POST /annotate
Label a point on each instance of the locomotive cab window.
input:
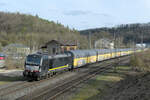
(33, 60)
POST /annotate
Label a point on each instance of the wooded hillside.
(33, 31)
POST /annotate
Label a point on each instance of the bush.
(141, 61)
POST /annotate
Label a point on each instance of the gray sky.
(83, 14)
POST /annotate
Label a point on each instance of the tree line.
(128, 32)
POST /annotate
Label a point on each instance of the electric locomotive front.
(32, 66)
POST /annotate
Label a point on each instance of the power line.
(90, 45)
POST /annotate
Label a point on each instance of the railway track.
(7, 92)
(14, 88)
(52, 93)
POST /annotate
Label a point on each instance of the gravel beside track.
(7, 86)
(10, 87)
(11, 73)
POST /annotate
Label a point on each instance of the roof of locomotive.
(51, 56)
(59, 56)
(36, 54)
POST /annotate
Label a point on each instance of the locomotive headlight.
(40, 70)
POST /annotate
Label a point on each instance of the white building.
(141, 45)
(104, 44)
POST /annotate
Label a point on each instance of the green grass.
(3, 82)
(96, 87)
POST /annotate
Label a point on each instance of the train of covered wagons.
(38, 65)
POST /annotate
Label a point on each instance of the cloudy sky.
(83, 14)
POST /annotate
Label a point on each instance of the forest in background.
(33, 31)
(127, 32)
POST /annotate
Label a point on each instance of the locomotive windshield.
(33, 60)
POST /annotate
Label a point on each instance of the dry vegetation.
(133, 87)
(14, 64)
(141, 61)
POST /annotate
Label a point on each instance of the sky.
(83, 14)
